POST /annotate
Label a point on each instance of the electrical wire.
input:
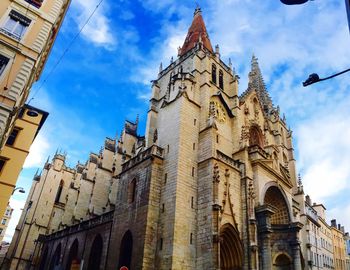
(65, 51)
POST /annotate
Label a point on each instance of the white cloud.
(342, 213)
(17, 205)
(98, 30)
(38, 151)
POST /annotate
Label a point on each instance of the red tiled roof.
(196, 30)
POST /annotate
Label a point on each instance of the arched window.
(55, 260)
(213, 73)
(221, 80)
(125, 254)
(73, 260)
(43, 260)
(95, 253)
(132, 191)
(59, 192)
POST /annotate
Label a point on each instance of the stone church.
(211, 185)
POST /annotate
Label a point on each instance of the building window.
(161, 244)
(3, 221)
(12, 138)
(3, 62)
(192, 204)
(59, 192)
(16, 25)
(221, 80)
(191, 238)
(213, 73)
(165, 178)
(35, 3)
(1, 231)
(192, 171)
(2, 163)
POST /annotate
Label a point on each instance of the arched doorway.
(95, 253)
(231, 249)
(73, 261)
(55, 260)
(282, 262)
(125, 253)
(43, 259)
(274, 197)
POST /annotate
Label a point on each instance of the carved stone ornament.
(155, 136)
(216, 110)
(216, 175)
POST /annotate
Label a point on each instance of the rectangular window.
(2, 163)
(35, 3)
(12, 138)
(16, 25)
(7, 213)
(161, 244)
(1, 231)
(3, 221)
(3, 63)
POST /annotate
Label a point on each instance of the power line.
(66, 50)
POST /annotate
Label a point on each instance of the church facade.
(211, 185)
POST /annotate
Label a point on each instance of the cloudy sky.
(105, 77)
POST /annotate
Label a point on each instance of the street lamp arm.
(314, 78)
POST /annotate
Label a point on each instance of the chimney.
(334, 223)
(342, 229)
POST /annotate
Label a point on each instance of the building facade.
(347, 255)
(5, 221)
(211, 185)
(310, 234)
(326, 239)
(28, 29)
(16, 149)
(339, 245)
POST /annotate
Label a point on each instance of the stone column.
(263, 214)
(296, 256)
(296, 227)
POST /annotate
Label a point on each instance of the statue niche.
(255, 136)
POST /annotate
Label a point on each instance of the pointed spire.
(196, 33)
(256, 82)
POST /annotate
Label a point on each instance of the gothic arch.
(231, 248)
(43, 260)
(282, 261)
(125, 254)
(73, 254)
(55, 260)
(256, 136)
(96, 253)
(277, 199)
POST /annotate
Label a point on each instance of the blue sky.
(105, 77)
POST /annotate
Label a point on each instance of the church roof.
(196, 33)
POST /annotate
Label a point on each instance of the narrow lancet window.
(221, 80)
(213, 73)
